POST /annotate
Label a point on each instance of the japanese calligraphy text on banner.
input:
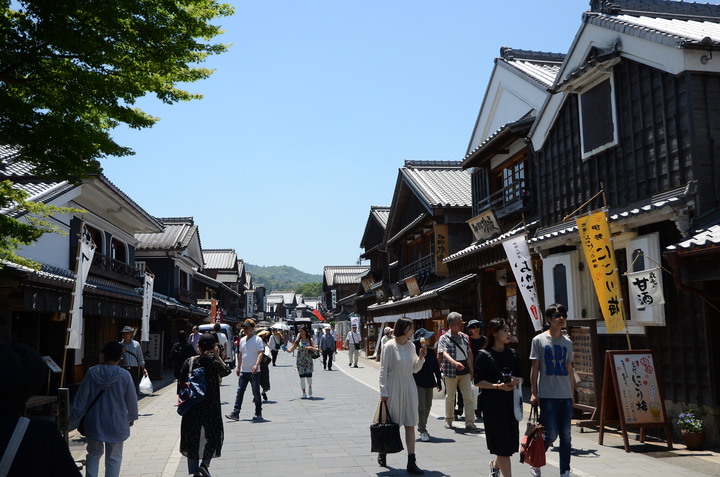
(518, 255)
(147, 306)
(646, 288)
(84, 260)
(596, 241)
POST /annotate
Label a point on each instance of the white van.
(227, 330)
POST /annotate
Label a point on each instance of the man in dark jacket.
(426, 380)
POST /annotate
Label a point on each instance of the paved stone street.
(328, 435)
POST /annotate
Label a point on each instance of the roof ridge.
(176, 220)
(509, 54)
(411, 164)
(671, 9)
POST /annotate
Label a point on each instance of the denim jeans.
(194, 465)
(113, 458)
(254, 380)
(555, 416)
(328, 358)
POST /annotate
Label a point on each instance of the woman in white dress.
(398, 363)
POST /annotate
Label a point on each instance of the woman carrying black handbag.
(398, 363)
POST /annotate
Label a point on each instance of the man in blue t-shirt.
(552, 384)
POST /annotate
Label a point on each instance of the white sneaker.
(536, 472)
(304, 396)
(310, 392)
(424, 436)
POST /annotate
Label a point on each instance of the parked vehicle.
(230, 345)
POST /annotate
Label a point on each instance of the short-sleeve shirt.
(249, 349)
(446, 343)
(554, 354)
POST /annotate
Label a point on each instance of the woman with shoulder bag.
(304, 343)
(398, 363)
(496, 371)
(201, 429)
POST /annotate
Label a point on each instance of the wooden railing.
(425, 265)
(110, 268)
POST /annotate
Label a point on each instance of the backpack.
(193, 390)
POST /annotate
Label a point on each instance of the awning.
(426, 295)
(415, 315)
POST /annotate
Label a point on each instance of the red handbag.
(532, 446)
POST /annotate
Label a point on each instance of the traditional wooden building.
(503, 190)
(634, 112)
(426, 223)
(37, 302)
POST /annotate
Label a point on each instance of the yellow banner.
(599, 254)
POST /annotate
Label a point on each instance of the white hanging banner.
(147, 306)
(85, 257)
(518, 255)
(646, 288)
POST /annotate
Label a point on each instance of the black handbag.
(385, 434)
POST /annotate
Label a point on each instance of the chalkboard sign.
(632, 395)
(587, 364)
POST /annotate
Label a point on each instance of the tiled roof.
(703, 239)
(439, 183)
(476, 247)
(407, 228)
(541, 66)
(337, 275)
(507, 131)
(177, 235)
(220, 259)
(380, 213)
(672, 23)
(673, 197)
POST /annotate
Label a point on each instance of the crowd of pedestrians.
(482, 371)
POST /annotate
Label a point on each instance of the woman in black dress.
(201, 430)
(497, 371)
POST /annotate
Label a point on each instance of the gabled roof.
(343, 275)
(540, 66)
(176, 235)
(220, 259)
(437, 183)
(97, 186)
(672, 36)
(376, 220)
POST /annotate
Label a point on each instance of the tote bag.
(532, 446)
(384, 434)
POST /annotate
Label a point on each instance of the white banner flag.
(147, 306)
(646, 288)
(518, 254)
(85, 257)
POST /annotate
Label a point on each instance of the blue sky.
(312, 111)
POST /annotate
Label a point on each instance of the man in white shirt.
(249, 355)
(353, 343)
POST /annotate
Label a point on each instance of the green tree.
(309, 289)
(72, 70)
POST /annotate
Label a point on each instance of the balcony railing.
(424, 266)
(507, 200)
(184, 296)
(112, 269)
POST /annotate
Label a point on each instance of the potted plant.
(691, 428)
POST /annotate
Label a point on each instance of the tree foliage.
(71, 70)
(14, 232)
(309, 289)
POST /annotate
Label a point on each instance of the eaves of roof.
(408, 227)
(478, 246)
(672, 199)
(220, 259)
(703, 240)
(425, 295)
(508, 132)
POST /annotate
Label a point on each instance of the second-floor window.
(598, 121)
(118, 251)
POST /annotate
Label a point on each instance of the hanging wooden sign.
(631, 395)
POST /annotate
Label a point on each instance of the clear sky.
(312, 111)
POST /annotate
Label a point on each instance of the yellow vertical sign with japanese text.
(600, 256)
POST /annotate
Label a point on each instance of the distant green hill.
(281, 277)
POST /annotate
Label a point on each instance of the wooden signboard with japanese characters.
(631, 395)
